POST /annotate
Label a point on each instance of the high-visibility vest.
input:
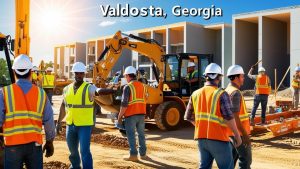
(209, 123)
(192, 75)
(243, 114)
(79, 108)
(262, 85)
(137, 102)
(23, 116)
(48, 81)
(34, 76)
(295, 83)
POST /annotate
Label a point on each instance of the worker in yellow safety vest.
(296, 87)
(49, 83)
(34, 75)
(242, 153)
(78, 107)
(262, 92)
(209, 110)
(24, 109)
(192, 77)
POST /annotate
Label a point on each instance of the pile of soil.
(55, 165)
(248, 92)
(285, 93)
(98, 138)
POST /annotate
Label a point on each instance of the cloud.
(107, 23)
(110, 23)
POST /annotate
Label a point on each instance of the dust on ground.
(177, 149)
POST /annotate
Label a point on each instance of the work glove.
(48, 147)
(58, 128)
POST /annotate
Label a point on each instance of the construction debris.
(55, 165)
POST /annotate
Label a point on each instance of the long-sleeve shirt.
(235, 99)
(225, 105)
(47, 120)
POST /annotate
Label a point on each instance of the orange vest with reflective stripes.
(137, 102)
(243, 114)
(209, 123)
(262, 85)
(23, 116)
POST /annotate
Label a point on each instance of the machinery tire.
(169, 115)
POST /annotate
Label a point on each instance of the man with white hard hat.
(48, 83)
(192, 76)
(209, 110)
(24, 109)
(296, 87)
(242, 153)
(133, 109)
(78, 107)
(262, 92)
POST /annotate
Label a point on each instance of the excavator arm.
(113, 51)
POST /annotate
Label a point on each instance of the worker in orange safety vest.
(24, 109)
(242, 153)
(209, 110)
(262, 92)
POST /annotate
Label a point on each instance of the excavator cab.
(186, 73)
(6, 73)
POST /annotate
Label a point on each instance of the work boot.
(145, 157)
(263, 121)
(131, 158)
(252, 122)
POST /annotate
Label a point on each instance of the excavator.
(166, 103)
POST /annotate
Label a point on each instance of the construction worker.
(296, 87)
(115, 79)
(209, 110)
(133, 108)
(78, 108)
(24, 109)
(34, 75)
(192, 77)
(262, 91)
(242, 153)
(49, 83)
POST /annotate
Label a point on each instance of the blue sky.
(80, 20)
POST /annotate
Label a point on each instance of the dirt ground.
(173, 149)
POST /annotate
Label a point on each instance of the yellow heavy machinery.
(166, 103)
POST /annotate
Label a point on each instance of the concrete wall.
(245, 47)
(124, 61)
(274, 48)
(295, 37)
(80, 52)
(226, 52)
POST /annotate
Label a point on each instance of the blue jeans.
(30, 154)
(221, 151)
(49, 92)
(243, 155)
(136, 122)
(263, 100)
(79, 135)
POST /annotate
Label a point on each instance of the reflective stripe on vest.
(192, 76)
(79, 108)
(48, 81)
(295, 84)
(23, 117)
(243, 114)
(137, 103)
(262, 85)
(209, 122)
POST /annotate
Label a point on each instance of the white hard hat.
(213, 69)
(49, 69)
(191, 64)
(22, 62)
(79, 67)
(261, 69)
(130, 70)
(297, 69)
(235, 70)
(35, 68)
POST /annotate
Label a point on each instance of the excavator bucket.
(107, 103)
